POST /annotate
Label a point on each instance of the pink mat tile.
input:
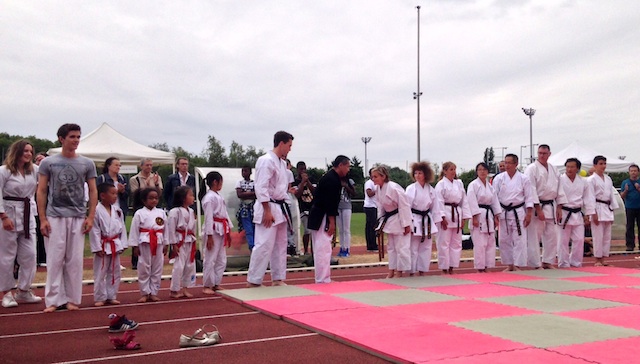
(423, 342)
(292, 305)
(625, 316)
(607, 270)
(527, 356)
(461, 310)
(494, 277)
(621, 351)
(480, 290)
(624, 295)
(612, 280)
(350, 287)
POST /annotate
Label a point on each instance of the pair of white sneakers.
(11, 300)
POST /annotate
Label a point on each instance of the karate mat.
(582, 315)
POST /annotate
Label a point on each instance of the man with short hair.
(182, 177)
(146, 178)
(304, 193)
(64, 219)
(548, 197)
(602, 187)
(271, 214)
(630, 193)
(516, 198)
(371, 213)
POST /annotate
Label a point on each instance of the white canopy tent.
(106, 142)
(585, 156)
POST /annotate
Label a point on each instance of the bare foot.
(208, 290)
(113, 302)
(99, 303)
(175, 294)
(398, 274)
(187, 294)
(218, 288)
(391, 274)
(154, 298)
(143, 299)
(72, 307)
(50, 309)
(278, 284)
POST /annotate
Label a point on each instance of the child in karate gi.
(181, 227)
(108, 238)
(217, 228)
(147, 239)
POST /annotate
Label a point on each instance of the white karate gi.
(17, 244)
(181, 225)
(546, 187)
(513, 191)
(602, 188)
(107, 227)
(391, 197)
(271, 184)
(149, 265)
(423, 198)
(215, 259)
(483, 236)
(579, 196)
(449, 240)
(322, 253)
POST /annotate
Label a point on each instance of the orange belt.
(193, 244)
(153, 238)
(111, 240)
(227, 230)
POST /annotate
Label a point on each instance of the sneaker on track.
(121, 323)
(27, 297)
(8, 300)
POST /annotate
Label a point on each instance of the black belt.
(424, 214)
(286, 211)
(608, 203)
(454, 213)
(515, 213)
(489, 209)
(380, 234)
(26, 210)
(571, 211)
(553, 210)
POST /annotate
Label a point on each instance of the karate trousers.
(420, 254)
(484, 249)
(150, 269)
(183, 274)
(214, 262)
(106, 277)
(322, 253)
(601, 234)
(270, 249)
(513, 247)
(571, 257)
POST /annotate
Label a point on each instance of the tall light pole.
(416, 95)
(530, 112)
(524, 146)
(366, 141)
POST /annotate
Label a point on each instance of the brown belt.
(26, 213)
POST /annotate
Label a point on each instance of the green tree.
(467, 177)
(160, 146)
(39, 145)
(356, 174)
(215, 154)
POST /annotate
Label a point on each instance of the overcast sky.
(329, 72)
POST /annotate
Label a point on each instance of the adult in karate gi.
(575, 214)
(485, 210)
(516, 199)
(605, 204)
(549, 198)
(426, 208)
(18, 180)
(271, 214)
(322, 216)
(64, 219)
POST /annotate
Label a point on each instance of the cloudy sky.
(329, 72)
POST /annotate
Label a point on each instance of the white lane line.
(103, 328)
(168, 351)
(116, 307)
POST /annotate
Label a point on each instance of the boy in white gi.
(64, 219)
(147, 239)
(485, 209)
(271, 214)
(181, 228)
(108, 238)
(216, 231)
(549, 198)
(579, 196)
(602, 187)
(426, 208)
(515, 195)
(455, 213)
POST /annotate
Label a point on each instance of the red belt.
(184, 234)
(111, 240)
(227, 230)
(153, 238)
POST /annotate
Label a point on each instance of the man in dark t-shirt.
(304, 193)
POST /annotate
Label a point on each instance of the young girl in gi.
(180, 234)
(455, 213)
(394, 214)
(217, 228)
(108, 238)
(146, 238)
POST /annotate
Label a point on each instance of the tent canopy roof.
(106, 142)
(585, 156)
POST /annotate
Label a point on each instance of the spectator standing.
(245, 191)
(41, 253)
(344, 214)
(371, 213)
(111, 174)
(304, 193)
(146, 178)
(182, 177)
(630, 193)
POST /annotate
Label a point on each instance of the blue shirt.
(632, 200)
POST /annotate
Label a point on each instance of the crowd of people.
(70, 200)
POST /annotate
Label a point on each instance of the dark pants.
(371, 214)
(633, 220)
(41, 253)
